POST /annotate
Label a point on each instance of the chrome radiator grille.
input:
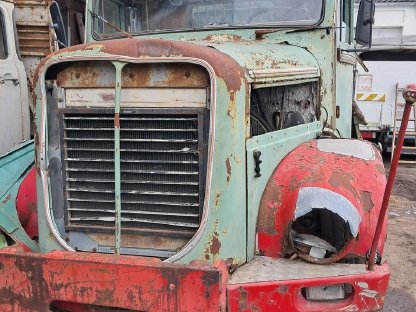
(162, 172)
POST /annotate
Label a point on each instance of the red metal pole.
(409, 94)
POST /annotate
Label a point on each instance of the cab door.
(344, 68)
(14, 108)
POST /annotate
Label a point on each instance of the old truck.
(196, 155)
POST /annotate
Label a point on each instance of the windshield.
(139, 16)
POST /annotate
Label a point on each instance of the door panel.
(344, 69)
(14, 114)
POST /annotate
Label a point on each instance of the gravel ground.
(400, 250)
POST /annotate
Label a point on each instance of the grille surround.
(173, 214)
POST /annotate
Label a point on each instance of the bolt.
(172, 286)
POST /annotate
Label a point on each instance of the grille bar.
(126, 129)
(131, 181)
(160, 163)
(137, 212)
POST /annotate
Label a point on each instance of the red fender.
(341, 166)
(26, 204)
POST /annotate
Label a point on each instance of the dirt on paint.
(400, 250)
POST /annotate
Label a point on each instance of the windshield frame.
(118, 35)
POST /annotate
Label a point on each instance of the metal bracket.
(257, 161)
(15, 81)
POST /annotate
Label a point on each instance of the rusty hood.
(235, 62)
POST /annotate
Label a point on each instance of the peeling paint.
(232, 108)
(344, 179)
(366, 200)
(217, 199)
(215, 245)
(368, 293)
(242, 300)
(8, 197)
(307, 167)
(228, 166)
(282, 289)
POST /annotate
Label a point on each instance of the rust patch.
(224, 66)
(210, 279)
(282, 289)
(269, 204)
(228, 166)
(242, 299)
(107, 97)
(136, 75)
(187, 75)
(343, 179)
(268, 208)
(294, 184)
(165, 75)
(215, 244)
(85, 74)
(381, 169)
(223, 38)
(217, 199)
(232, 108)
(117, 120)
(8, 197)
(366, 200)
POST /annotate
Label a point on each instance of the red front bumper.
(266, 284)
(68, 281)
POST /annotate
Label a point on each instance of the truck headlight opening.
(324, 226)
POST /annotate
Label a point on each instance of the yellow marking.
(376, 97)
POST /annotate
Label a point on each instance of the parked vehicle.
(197, 156)
(14, 93)
(379, 90)
(26, 36)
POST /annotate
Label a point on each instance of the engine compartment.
(281, 107)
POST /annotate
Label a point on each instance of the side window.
(111, 12)
(3, 41)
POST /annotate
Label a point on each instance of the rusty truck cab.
(208, 145)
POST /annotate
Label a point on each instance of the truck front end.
(198, 165)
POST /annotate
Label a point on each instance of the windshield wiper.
(127, 34)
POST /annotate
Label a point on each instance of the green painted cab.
(158, 136)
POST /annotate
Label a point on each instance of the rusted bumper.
(69, 281)
(267, 284)
(80, 282)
